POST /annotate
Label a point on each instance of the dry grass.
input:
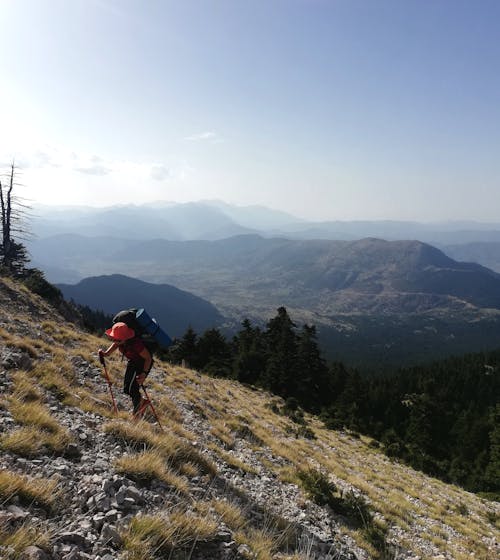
(147, 466)
(40, 432)
(231, 460)
(56, 376)
(351, 461)
(222, 432)
(136, 435)
(40, 491)
(33, 414)
(175, 451)
(32, 441)
(230, 513)
(150, 536)
(24, 388)
(18, 539)
(263, 543)
(403, 498)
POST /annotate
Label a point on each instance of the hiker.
(139, 358)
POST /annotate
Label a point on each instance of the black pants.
(130, 385)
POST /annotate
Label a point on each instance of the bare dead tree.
(13, 254)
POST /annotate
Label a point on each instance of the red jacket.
(132, 349)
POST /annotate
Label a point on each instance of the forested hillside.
(442, 418)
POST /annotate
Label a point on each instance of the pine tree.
(312, 384)
(492, 475)
(185, 349)
(214, 353)
(250, 354)
(280, 375)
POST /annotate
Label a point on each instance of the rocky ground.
(101, 503)
(98, 503)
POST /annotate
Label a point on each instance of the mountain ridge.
(344, 287)
(208, 219)
(174, 309)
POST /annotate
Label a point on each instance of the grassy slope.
(236, 429)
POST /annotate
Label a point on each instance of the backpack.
(145, 328)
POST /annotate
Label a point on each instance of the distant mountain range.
(211, 220)
(174, 309)
(373, 300)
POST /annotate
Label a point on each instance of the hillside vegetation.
(232, 475)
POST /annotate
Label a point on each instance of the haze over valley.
(374, 300)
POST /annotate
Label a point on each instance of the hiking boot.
(141, 408)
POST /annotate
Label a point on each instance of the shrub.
(317, 486)
(305, 432)
(35, 281)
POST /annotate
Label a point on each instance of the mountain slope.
(174, 309)
(224, 480)
(368, 266)
(485, 253)
(402, 302)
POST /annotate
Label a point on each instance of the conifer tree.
(250, 358)
(280, 375)
(492, 474)
(311, 384)
(214, 353)
(186, 349)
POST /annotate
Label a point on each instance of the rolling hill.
(174, 309)
(398, 300)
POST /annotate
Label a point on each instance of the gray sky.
(338, 109)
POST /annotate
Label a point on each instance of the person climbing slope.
(139, 359)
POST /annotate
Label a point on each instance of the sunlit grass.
(175, 451)
(33, 414)
(40, 491)
(149, 536)
(230, 513)
(31, 441)
(24, 388)
(16, 540)
(147, 466)
(231, 460)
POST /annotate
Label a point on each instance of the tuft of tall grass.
(150, 536)
(40, 491)
(24, 388)
(17, 540)
(175, 451)
(31, 441)
(230, 513)
(147, 466)
(33, 414)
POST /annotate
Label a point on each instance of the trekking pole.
(150, 404)
(108, 381)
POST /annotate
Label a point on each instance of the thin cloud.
(98, 170)
(202, 137)
(160, 173)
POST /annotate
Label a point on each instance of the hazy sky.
(339, 109)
